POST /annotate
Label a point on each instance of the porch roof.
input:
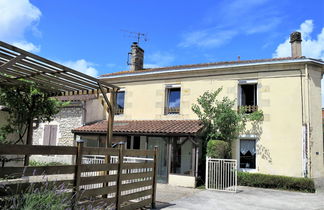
(144, 127)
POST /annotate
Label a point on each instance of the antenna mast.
(137, 35)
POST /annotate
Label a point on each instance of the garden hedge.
(276, 182)
(218, 149)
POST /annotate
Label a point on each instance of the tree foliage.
(26, 104)
(221, 121)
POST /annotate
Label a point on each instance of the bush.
(276, 182)
(37, 163)
(218, 149)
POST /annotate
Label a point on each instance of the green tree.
(221, 121)
(26, 104)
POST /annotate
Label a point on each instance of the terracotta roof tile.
(202, 65)
(178, 127)
(77, 97)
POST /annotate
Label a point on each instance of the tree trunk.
(29, 140)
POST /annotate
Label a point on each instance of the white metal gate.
(221, 174)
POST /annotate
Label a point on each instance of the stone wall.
(67, 119)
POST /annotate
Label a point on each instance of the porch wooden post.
(119, 175)
(77, 174)
(111, 119)
(153, 205)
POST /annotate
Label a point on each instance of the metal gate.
(221, 174)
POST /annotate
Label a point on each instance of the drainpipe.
(309, 174)
(304, 128)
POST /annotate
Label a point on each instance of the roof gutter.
(212, 66)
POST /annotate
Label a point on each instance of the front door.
(162, 164)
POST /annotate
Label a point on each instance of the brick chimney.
(295, 41)
(137, 57)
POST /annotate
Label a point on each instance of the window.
(133, 142)
(247, 154)
(120, 100)
(181, 156)
(248, 93)
(172, 105)
(50, 134)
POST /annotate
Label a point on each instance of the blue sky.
(89, 36)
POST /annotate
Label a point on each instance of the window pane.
(247, 154)
(174, 97)
(120, 100)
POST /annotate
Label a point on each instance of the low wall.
(182, 180)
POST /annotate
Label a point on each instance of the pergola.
(54, 78)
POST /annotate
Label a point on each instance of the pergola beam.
(20, 64)
(34, 68)
(49, 62)
(12, 62)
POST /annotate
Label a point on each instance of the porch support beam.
(193, 158)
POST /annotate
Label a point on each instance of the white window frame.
(166, 97)
(238, 156)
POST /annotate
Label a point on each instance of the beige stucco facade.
(288, 142)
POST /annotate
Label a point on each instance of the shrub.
(218, 149)
(276, 182)
(37, 163)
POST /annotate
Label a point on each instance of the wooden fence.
(121, 184)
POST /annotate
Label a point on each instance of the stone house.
(154, 108)
(81, 110)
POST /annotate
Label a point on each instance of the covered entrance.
(179, 147)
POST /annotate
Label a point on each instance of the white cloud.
(28, 46)
(82, 66)
(159, 59)
(16, 18)
(313, 48)
(207, 38)
(227, 19)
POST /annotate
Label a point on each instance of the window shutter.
(46, 138)
(53, 135)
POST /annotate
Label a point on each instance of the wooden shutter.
(46, 138)
(53, 135)
(50, 135)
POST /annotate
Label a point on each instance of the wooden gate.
(221, 174)
(120, 184)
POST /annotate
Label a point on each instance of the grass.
(201, 187)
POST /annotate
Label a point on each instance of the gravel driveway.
(246, 198)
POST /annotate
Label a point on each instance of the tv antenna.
(138, 35)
